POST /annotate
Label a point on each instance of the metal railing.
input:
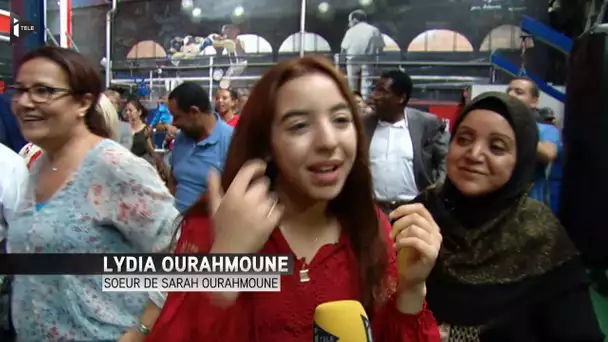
(255, 78)
(204, 64)
(422, 81)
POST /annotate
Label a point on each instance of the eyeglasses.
(38, 94)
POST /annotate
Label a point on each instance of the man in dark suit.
(407, 146)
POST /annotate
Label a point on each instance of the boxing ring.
(209, 75)
(110, 17)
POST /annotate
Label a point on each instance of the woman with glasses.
(31, 152)
(86, 194)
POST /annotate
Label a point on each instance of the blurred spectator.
(364, 108)
(125, 135)
(162, 119)
(546, 115)
(10, 132)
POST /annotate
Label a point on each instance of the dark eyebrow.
(500, 135)
(294, 113)
(338, 107)
(302, 112)
(495, 134)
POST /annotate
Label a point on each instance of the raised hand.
(246, 214)
(417, 242)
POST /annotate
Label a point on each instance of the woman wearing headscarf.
(507, 270)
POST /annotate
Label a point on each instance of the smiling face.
(43, 103)
(313, 139)
(482, 154)
(223, 102)
(523, 90)
(132, 114)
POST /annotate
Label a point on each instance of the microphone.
(402, 256)
(343, 320)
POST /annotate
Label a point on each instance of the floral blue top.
(114, 203)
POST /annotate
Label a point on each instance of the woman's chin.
(34, 135)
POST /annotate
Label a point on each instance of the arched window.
(503, 37)
(312, 43)
(146, 49)
(390, 44)
(252, 43)
(440, 41)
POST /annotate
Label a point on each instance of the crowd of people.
(302, 167)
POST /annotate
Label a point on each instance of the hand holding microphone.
(247, 213)
(417, 241)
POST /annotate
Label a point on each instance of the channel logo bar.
(12, 28)
(5, 23)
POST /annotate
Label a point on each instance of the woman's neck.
(137, 125)
(58, 148)
(227, 116)
(303, 215)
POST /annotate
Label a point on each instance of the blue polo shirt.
(540, 189)
(191, 160)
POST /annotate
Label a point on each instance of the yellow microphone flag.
(341, 321)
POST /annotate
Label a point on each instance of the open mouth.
(326, 173)
(323, 169)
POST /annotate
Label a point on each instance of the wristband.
(143, 329)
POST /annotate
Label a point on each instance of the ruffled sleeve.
(391, 325)
(193, 316)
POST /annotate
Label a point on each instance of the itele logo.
(20, 28)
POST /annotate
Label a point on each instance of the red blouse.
(234, 121)
(285, 316)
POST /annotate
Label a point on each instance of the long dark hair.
(83, 79)
(354, 206)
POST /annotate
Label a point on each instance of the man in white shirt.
(360, 44)
(13, 184)
(407, 146)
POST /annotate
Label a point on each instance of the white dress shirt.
(392, 162)
(13, 183)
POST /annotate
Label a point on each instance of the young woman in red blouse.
(297, 181)
(226, 104)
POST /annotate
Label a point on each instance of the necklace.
(304, 276)
(304, 271)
